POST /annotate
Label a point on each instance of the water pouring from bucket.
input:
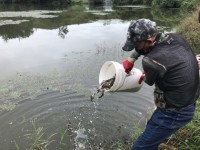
(113, 78)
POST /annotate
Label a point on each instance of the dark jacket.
(172, 66)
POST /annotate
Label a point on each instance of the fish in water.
(105, 85)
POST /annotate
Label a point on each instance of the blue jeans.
(163, 123)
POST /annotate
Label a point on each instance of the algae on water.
(7, 106)
(28, 14)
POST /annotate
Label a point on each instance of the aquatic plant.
(7, 106)
(38, 142)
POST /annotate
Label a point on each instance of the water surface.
(50, 62)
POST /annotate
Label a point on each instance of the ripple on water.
(91, 123)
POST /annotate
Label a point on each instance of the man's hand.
(128, 66)
(198, 60)
(141, 78)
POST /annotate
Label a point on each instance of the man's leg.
(162, 125)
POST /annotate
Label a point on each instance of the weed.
(7, 106)
(187, 137)
(16, 146)
(138, 131)
(38, 142)
(189, 28)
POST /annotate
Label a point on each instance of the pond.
(50, 61)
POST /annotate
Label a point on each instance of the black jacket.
(173, 67)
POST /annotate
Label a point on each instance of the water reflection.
(77, 15)
(167, 17)
(48, 48)
(19, 31)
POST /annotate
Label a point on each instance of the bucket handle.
(127, 75)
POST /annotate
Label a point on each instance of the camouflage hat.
(139, 30)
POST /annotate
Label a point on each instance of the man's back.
(181, 78)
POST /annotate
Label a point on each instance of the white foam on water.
(80, 139)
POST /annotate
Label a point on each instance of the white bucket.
(122, 80)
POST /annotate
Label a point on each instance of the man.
(171, 66)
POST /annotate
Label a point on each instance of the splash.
(80, 139)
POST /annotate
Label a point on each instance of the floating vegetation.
(96, 12)
(7, 106)
(134, 6)
(26, 14)
(79, 89)
(27, 86)
(7, 22)
(32, 14)
(101, 13)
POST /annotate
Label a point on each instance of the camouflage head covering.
(139, 30)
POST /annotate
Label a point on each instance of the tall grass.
(188, 137)
(38, 142)
(189, 28)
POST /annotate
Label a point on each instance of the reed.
(38, 142)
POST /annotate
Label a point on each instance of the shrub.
(167, 17)
(189, 28)
(96, 2)
(120, 2)
(147, 2)
(131, 2)
(167, 3)
(188, 5)
(187, 138)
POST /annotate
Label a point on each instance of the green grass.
(188, 137)
(38, 142)
(189, 28)
(80, 1)
(137, 131)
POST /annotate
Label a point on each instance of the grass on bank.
(189, 28)
(186, 138)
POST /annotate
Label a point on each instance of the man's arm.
(198, 59)
(152, 70)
